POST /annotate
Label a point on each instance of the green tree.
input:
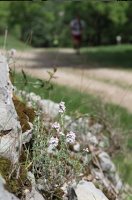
(24, 13)
(40, 17)
(4, 12)
(103, 21)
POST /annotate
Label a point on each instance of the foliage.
(103, 21)
(4, 13)
(29, 19)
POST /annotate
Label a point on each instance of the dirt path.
(73, 73)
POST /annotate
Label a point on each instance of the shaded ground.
(76, 71)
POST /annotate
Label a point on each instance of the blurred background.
(48, 18)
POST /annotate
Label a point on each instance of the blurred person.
(55, 40)
(76, 30)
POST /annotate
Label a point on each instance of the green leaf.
(39, 84)
(24, 77)
(50, 73)
(55, 69)
(49, 87)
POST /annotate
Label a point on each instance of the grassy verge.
(110, 56)
(112, 82)
(82, 102)
(13, 43)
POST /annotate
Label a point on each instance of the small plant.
(53, 163)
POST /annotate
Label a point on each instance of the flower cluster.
(56, 126)
(53, 142)
(86, 150)
(70, 137)
(62, 107)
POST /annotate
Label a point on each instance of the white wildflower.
(62, 107)
(70, 137)
(53, 141)
(56, 126)
(86, 150)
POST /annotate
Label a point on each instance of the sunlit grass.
(13, 43)
(110, 56)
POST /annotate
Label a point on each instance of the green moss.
(30, 113)
(4, 167)
(56, 195)
(13, 185)
(23, 156)
(59, 193)
(23, 112)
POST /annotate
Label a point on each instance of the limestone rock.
(71, 194)
(104, 141)
(106, 163)
(49, 107)
(87, 191)
(27, 136)
(96, 128)
(76, 147)
(34, 194)
(116, 181)
(4, 194)
(90, 138)
(82, 191)
(10, 129)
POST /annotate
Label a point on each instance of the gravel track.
(73, 73)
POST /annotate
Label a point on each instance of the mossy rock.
(13, 185)
(21, 109)
(58, 194)
(23, 112)
(30, 113)
(4, 167)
